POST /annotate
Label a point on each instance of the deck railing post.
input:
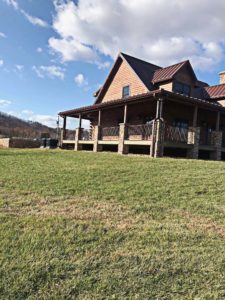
(122, 148)
(97, 132)
(216, 141)
(158, 138)
(77, 146)
(193, 139)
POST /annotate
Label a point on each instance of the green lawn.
(103, 226)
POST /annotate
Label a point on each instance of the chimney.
(222, 77)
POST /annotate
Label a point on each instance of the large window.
(126, 91)
(182, 88)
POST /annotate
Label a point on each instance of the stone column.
(97, 133)
(216, 140)
(193, 139)
(158, 137)
(77, 146)
(122, 149)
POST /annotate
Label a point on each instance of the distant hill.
(11, 126)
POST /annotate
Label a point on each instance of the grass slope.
(102, 226)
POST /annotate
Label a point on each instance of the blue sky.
(55, 53)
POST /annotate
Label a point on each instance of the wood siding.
(124, 76)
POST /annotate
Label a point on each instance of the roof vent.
(222, 77)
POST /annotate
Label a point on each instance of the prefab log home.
(162, 111)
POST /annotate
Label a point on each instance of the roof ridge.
(179, 63)
(144, 61)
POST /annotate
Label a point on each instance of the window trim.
(123, 88)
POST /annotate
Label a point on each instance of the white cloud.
(2, 35)
(1, 62)
(12, 3)
(34, 20)
(19, 67)
(4, 103)
(47, 120)
(39, 50)
(80, 80)
(162, 32)
(49, 71)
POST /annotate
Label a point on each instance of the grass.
(103, 226)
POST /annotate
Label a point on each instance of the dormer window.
(126, 91)
(182, 88)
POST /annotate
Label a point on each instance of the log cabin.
(159, 111)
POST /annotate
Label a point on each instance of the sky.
(54, 54)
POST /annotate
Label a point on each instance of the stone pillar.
(122, 149)
(193, 139)
(159, 131)
(97, 132)
(77, 146)
(216, 141)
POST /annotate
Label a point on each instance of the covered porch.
(161, 122)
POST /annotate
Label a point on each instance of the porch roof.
(137, 98)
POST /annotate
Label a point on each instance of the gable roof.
(148, 73)
(214, 92)
(169, 72)
(143, 69)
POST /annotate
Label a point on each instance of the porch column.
(78, 147)
(216, 140)
(195, 117)
(122, 148)
(193, 139)
(63, 131)
(158, 131)
(97, 134)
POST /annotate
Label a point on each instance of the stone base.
(216, 155)
(193, 153)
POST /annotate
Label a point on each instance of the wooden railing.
(110, 133)
(176, 134)
(87, 134)
(139, 132)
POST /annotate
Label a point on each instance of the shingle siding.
(124, 76)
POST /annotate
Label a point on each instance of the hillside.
(76, 225)
(11, 126)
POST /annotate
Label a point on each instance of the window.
(182, 88)
(126, 91)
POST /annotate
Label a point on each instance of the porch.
(120, 127)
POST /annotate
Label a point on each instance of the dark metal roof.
(116, 102)
(152, 94)
(214, 92)
(143, 69)
(168, 72)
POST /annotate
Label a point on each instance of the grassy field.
(103, 226)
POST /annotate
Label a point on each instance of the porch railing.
(87, 134)
(176, 134)
(139, 132)
(110, 133)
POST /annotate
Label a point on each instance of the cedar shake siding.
(124, 76)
